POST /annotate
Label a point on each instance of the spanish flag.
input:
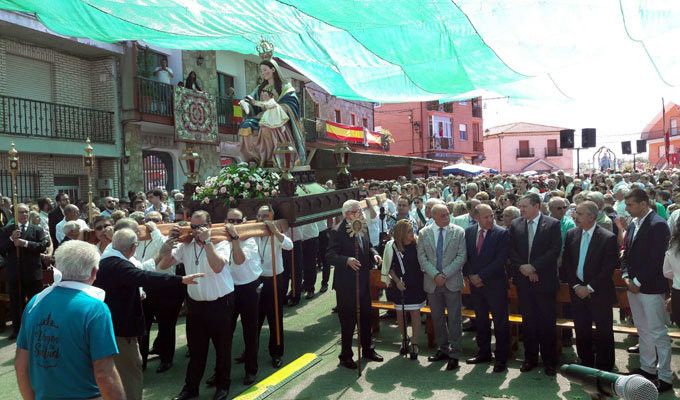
(346, 133)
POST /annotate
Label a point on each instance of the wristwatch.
(235, 237)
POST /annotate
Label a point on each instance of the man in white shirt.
(310, 250)
(163, 73)
(280, 241)
(70, 214)
(155, 198)
(246, 278)
(210, 303)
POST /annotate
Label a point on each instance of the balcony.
(477, 112)
(478, 146)
(155, 101)
(553, 152)
(525, 153)
(32, 118)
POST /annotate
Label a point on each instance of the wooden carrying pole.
(276, 290)
(358, 307)
(217, 233)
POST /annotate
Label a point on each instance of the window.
(674, 126)
(225, 85)
(338, 118)
(147, 61)
(552, 145)
(440, 131)
(364, 122)
(462, 128)
(462, 103)
(353, 119)
(662, 151)
(475, 132)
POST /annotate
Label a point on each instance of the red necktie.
(480, 242)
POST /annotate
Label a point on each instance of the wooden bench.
(562, 297)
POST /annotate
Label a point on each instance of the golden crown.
(265, 49)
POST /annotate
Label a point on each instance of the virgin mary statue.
(272, 118)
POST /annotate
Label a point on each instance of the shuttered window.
(28, 78)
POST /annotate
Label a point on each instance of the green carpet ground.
(310, 327)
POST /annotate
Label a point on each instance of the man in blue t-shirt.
(66, 343)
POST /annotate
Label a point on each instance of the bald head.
(440, 214)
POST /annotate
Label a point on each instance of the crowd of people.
(430, 236)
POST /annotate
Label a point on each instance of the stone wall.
(133, 174)
(206, 72)
(252, 75)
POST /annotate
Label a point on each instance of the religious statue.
(272, 115)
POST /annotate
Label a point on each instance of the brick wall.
(329, 103)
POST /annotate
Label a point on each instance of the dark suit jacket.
(53, 218)
(544, 253)
(601, 259)
(30, 264)
(121, 281)
(643, 257)
(5, 216)
(340, 248)
(489, 264)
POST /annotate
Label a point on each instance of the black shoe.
(373, 356)
(164, 366)
(240, 359)
(293, 302)
(13, 335)
(334, 310)
(478, 359)
(309, 295)
(249, 379)
(452, 364)
(499, 367)
(348, 363)
(210, 382)
(403, 350)
(640, 371)
(153, 351)
(440, 356)
(634, 349)
(550, 371)
(324, 289)
(527, 366)
(664, 386)
(414, 352)
(221, 394)
(276, 362)
(186, 395)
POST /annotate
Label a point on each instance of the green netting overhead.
(388, 51)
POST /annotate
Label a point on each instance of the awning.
(467, 169)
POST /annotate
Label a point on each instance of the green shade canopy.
(391, 51)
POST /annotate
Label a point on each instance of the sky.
(590, 63)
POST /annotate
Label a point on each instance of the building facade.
(653, 133)
(523, 147)
(55, 93)
(450, 131)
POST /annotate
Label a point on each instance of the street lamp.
(13, 170)
(284, 156)
(88, 163)
(341, 154)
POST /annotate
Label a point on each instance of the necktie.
(440, 250)
(23, 229)
(585, 241)
(480, 240)
(531, 232)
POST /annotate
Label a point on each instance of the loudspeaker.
(587, 137)
(641, 146)
(625, 147)
(567, 139)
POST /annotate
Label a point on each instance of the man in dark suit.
(642, 269)
(588, 261)
(342, 254)
(535, 245)
(56, 216)
(22, 246)
(487, 252)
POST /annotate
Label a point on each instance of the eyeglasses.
(234, 220)
(560, 208)
(101, 227)
(198, 226)
(155, 220)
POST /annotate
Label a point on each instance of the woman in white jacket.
(671, 270)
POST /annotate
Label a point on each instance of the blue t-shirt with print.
(64, 334)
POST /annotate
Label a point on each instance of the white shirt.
(309, 231)
(295, 233)
(213, 285)
(60, 228)
(265, 253)
(638, 223)
(390, 207)
(251, 268)
(374, 225)
(148, 249)
(163, 76)
(671, 266)
(436, 234)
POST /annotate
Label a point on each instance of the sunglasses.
(198, 226)
(154, 220)
(101, 227)
(234, 220)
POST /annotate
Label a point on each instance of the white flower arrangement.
(238, 181)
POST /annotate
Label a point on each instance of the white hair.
(76, 259)
(498, 187)
(512, 210)
(349, 205)
(70, 227)
(431, 202)
(124, 239)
